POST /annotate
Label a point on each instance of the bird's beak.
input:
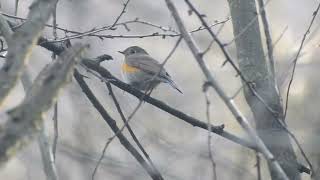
(121, 52)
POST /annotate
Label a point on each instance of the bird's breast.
(128, 69)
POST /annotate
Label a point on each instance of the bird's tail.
(173, 84)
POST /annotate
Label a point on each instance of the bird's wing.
(147, 64)
(151, 66)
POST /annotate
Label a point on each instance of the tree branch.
(22, 122)
(21, 43)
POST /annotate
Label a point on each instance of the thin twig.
(93, 32)
(207, 101)
(268, 38)
(121, 13)
(258, 165)
(155, 34)
(218, 32)
(314, 15)
(280, 37)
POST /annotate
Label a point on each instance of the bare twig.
(121, 13)
(21, 44)
(155, 34)
(268, 38)
(258, 165)
(218, 32)
(55, 130)
(314, 15)
(279, 37)
(213, 163)
(230, 103)
(93, 32)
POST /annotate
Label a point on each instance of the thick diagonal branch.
(23, 122)
(46, 153)
(21, 43)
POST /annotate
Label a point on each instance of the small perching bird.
(140, 70)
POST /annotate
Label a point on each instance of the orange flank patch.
(128, 69)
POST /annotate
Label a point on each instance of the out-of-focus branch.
(21, 43)
(22, 123)
(258, 165)
(5, 29)
(46, 154)
(112, 123)
(16, 7)
(48, 160)
(230, 103)
(55, 108)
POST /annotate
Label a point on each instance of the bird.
(142, 71)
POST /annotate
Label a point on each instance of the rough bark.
(254, 67)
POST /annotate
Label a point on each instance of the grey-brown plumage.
(147, 68)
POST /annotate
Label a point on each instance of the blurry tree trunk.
(316, 162)
(255, 68)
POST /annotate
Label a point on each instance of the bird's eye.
(132, 51)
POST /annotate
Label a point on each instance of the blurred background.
(178, 150)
